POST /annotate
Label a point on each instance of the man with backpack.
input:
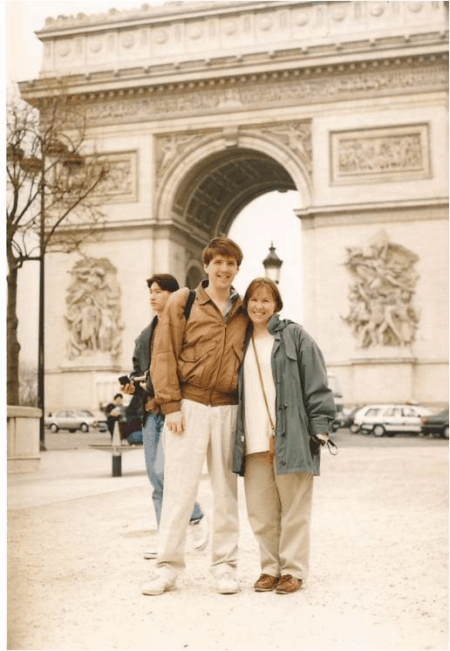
(161, 286)
(194, 371)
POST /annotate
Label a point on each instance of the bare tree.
(54, 194)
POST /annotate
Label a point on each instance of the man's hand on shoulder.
(175, 422)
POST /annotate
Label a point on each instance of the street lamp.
(272, 265)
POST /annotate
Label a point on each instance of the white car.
(72, 420)
(390, 419)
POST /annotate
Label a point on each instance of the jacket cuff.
(170, 408)
(319, 426)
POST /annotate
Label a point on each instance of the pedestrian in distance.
(161, 287)
(286, 410)
(195, 373)
(115, 413)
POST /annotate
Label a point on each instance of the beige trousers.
(209, 433)
(279, 511)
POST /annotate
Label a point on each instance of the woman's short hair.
(167, 282)
(222, 246)
(256, 284)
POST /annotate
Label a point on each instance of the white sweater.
(257, 424)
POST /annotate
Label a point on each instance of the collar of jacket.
(204, 297)
(274, 324)
(277, 328)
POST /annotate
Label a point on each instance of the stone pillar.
(23, 450)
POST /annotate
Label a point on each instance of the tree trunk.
(12, 342)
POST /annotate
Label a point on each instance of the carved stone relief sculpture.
(380, 155)
(93, 313)
(169, 147)
(302, 88)
(121, 181)
(380, 296)
(297, 136)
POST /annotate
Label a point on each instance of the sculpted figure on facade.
(169, 147)
(297, 136)
(384, 280)
(93, 313)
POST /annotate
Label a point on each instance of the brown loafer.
(288, 584)
(266, 583)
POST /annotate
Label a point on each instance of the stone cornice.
(203, 70)
(421, 210)
(142, 100)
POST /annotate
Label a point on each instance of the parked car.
(345, 417)
(72, 420)
(436, 424)
(389, 419)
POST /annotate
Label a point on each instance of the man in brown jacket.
(194, 371)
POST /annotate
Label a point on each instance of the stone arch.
(208, 184)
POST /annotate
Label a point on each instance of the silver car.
(389, 419)
(72, 420)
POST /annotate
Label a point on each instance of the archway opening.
(218, 187)
(271, 218)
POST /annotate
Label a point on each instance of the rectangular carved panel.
(380, 155)
(121, 184)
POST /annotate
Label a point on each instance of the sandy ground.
(379, 575)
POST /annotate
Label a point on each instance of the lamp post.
(272, 265)
(41, 326)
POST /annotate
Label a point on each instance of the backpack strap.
(189, 303)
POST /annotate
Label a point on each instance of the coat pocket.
(193, 366)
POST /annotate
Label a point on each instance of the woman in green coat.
(285, 414)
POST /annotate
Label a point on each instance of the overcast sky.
(269, 218)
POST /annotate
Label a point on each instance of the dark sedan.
(437, 424)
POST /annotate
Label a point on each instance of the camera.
(136, 382)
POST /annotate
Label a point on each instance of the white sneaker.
(227, 584)
(157, 585)
(200, 533)
(150, 554)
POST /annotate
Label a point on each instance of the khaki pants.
(279, 510)
(208, 434)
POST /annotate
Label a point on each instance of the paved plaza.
(379, 576)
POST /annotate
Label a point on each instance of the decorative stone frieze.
(381, 310)
(305, 87)
(93, 313)
(380, 155)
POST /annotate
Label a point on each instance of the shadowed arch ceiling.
(221, 185)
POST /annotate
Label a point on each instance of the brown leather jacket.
(197, 359)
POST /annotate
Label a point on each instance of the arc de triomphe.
(202, 107)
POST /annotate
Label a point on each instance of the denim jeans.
(154, 461)
(135, 437)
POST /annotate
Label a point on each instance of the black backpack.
(189, 303)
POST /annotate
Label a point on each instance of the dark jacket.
(304, 403)
(141, 363)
